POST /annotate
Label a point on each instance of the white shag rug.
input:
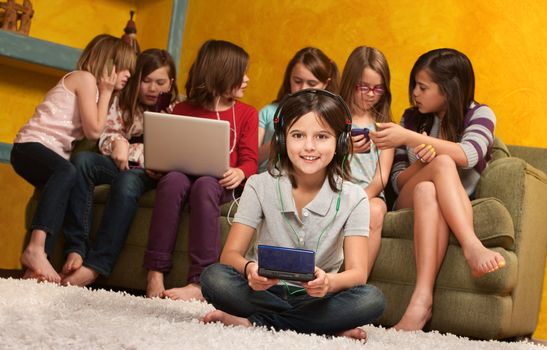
(47, 316)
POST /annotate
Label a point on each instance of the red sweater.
(245, 153)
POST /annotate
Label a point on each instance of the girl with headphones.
(309, 68)
(216, 81)
(304, 201)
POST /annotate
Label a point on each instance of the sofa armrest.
(523, 191)
(520, 187)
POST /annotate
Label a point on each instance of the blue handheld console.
(286, 263)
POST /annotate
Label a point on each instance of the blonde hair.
(105, 48)
(367, 57)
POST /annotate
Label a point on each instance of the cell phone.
(109, 66)
(359, 131)
(286, 263)
(163, 101)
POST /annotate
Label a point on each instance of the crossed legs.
(440, 202)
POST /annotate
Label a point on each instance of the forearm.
(452, 149)
(233, 258)
(346, 279)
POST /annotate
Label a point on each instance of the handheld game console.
(286, 263)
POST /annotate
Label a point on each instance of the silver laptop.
(194, 146)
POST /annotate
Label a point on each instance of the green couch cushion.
(491, 221)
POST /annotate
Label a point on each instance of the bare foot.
(73, 262)
(37, 275)
(226, 318)
(416, 315)
(355, 333)
(82, 277)
(155, 286)
(38, 266)
(188, 292)
(482, 260)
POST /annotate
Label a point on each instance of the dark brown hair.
(219, 69)
(147, 62)
(322, 67)
(367, 57)
(453, 72)
(331, 112)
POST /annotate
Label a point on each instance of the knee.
(215, 277)
(84, 160)
(378, 210)
(443, 162)
(174, 182)
(425, 191)
(371, 301)
(205, 187)
(127, 184)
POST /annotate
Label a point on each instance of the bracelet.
(245, 268)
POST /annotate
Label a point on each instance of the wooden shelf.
(37, 51)
(62, 57)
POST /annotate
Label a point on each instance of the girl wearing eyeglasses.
(365, 88)
(310, 68)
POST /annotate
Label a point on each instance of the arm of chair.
(523, 191)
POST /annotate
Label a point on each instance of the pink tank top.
(56, 121)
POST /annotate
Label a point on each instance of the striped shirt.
(476, 142)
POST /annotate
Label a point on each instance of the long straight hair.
(322, 67)
(452, 71)
(147, 62)
(367, 57)
(218, 70)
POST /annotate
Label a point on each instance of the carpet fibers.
(46, 316)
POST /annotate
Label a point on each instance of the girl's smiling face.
(311, 144)
(153, 84)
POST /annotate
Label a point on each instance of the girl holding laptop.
(216, 81)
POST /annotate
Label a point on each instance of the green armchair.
(509, 217)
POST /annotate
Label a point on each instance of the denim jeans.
(277, 308)
(54, 177)
(126, 187)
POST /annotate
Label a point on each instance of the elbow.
(93, 133)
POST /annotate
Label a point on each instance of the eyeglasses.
(376, 90)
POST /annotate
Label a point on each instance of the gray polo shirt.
(260, 207)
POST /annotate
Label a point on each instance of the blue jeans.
(228, 290)
(52, 175)
(126, 187)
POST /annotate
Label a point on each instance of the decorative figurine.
(130, 35)
(16, 17)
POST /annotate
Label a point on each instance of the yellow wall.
(504, 39)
